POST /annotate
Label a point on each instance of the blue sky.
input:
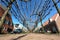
(28, 10)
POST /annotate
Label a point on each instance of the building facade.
(53, 24)
(7, 25)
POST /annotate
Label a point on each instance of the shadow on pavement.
(20, 37)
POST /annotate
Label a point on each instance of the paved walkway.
(30, 36)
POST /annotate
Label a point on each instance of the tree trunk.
(41, 23)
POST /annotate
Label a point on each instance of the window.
(9, 23)
(8, 15)
(4, 28)
(6, 21)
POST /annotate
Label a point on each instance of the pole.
(55, 4)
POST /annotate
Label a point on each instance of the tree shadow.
(20, 37)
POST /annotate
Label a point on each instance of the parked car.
(17, 31)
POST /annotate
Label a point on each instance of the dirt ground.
(30, 36)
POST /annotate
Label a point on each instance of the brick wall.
(7, 22)
(58, 23)
(53, 22)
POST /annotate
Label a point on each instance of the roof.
(3, 7)
(45, 23)
(54, 17)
